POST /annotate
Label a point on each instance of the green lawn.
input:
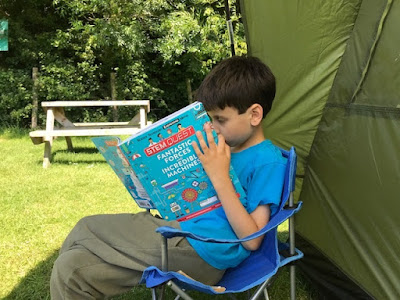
(38, 207)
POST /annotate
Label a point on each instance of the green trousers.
(105, 255)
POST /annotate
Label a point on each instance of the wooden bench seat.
(40, 136)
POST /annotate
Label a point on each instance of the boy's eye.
(220, 120)
(217, 119)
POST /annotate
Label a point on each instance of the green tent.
(337, 65)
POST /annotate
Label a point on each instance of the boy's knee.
(67, 280)
(69, 263)
(60, 276)
(65, 265)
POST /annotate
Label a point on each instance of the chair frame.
(262, 288)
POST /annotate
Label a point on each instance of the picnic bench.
(55, 111)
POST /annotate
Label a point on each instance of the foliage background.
(155, 47)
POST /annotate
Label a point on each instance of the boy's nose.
(215, 128)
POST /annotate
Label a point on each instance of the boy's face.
(236, 128)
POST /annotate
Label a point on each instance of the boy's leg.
(105, 255)
(79, 274)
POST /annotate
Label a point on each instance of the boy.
(105, 255)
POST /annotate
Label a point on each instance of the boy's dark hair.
(238, 82)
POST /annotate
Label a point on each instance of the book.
(159, 168)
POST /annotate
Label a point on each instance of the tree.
(32, 24)
(156, 47)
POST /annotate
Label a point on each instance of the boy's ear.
(256, 114)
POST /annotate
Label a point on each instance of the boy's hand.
(216, 161)
(214, 158)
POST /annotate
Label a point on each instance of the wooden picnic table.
(55, 111)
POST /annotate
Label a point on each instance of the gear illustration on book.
(203, 185)
(189, 195)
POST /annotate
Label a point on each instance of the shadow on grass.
(83, 161)
(77, 150)
(75, 161)
(36, 284)
(59, 157)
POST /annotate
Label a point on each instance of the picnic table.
(55, 111)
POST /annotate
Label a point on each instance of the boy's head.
(238, 82)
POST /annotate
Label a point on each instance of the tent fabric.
(303, 45)
(330, 281)
(337, 65)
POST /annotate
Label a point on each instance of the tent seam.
(372, 49)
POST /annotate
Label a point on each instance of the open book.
(160, 169)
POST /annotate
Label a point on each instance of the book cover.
(108, 147)
(165, 170)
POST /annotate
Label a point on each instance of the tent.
(337, 65)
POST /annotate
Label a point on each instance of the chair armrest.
(276, 220)
(170, 232)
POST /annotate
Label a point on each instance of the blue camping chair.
(257, 270)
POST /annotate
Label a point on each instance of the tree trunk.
(35, 102)
(189, 90)
(114, 95)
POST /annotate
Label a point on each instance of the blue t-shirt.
(261, 170)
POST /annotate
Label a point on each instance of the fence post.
(114, 95)
(35, 102)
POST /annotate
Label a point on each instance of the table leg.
(47, 154)
(59, 115)
(69, 143)
(143, 118)
(48, 138)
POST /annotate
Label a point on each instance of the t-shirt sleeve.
(265, 186)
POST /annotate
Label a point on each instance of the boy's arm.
(216, 162)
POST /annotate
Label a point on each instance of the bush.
(15, 98)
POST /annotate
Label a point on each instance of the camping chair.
(256, 270)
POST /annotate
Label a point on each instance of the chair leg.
(261, 289)
(153, 294)
(162, 292)
(158, 295)
(179, 291)
(292, 282)
(266, 296)
(292, 251)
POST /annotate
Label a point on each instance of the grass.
(38, 208)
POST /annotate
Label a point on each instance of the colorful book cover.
(162, 160)
(108, 147)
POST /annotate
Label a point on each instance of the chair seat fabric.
(258, 267)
